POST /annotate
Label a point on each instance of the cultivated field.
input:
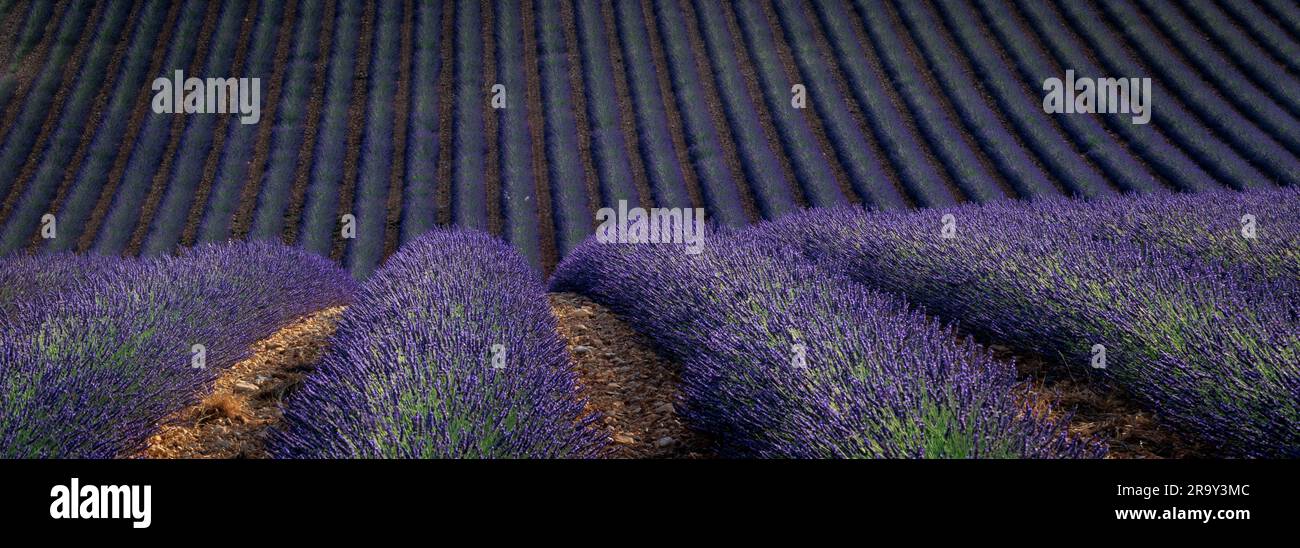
(890, 198)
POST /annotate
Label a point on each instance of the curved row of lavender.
(95, 351)
(451, 351)
(1197, 321)
(782, 359)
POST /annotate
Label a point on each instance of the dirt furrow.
(573, 56)
(536, 128)
(622, 378)
(721, 128)
(31, 66)
(791, 70)
(71, 72)
(356, 124)
(73, 169)
(163, 176)
(752, 84)
(492, 124)
(446, 96)
(631, 136)
(246, 401)
(676, 127)
(242, 219)
(302, 171)
(401, 114)
(200, 199)
(97, 215)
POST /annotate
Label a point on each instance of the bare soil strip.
(754, 87)
(855, 111)
(631, 137)
(71, 71)
(246, 401)
(721, 128)
(940, 95)
(675, 124)
(446, 96)
(242, 219)
(356, 124)
(402, 118)
(1097, 410)
(873, 61)
(791, 70)
(200, 199)
(536, 129)
(9, 29)
(573, 54)
(91, 227)
(162, 177)
(310, 132)
(73, 170)
(31, 67)
(633, 389)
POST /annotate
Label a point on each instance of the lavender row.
(1200, 328)
(518, 185)
(783, 360)
(96, 351)
(200, 134)
(450, 352)
(607, 143)
(573, 210)
(863, 75)
(321, 217)
(21, 137)
(719, 184)
(866, 167)
(290, 124)
(65, 140)
(365, 252)
(420, 198)
(468, 192)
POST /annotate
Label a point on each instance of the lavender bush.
(95, 351)
(451, 351)
(782, 359)
(1198, 322)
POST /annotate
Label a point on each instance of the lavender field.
(577, 229)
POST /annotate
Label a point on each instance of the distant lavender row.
(1198, 322)
(450, 351)
(95, 351)
(781, 359)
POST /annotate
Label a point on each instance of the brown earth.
(242, 218)
(1097, 410)
(307, 149)
(755, 91)
(401, 118)
(73, 169)
(549, 256)
(199, 201)
(356, 126)
(721, 126)
(91, 227)
(72, 71)
(623, 379)
(29, 67)
(446, 94)
(162, 177)
(234, 419)
(676, 127)
(785, 57)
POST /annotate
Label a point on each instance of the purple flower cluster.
(1196, 320)
(451, 351)
(781, 359)
(95, 351)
